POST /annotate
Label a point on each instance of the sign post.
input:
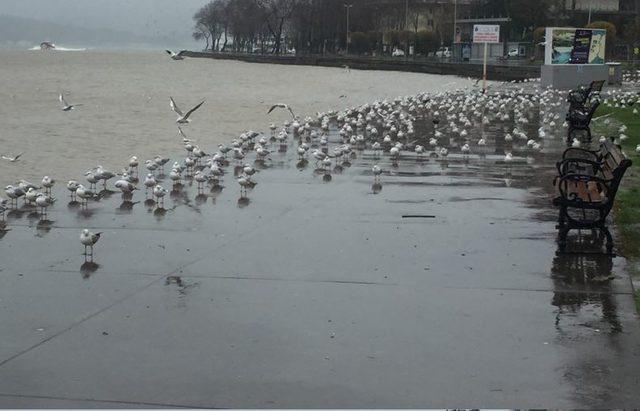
(484, 70)
(485, 33)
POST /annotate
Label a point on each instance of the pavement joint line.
(106, 273)
(86, 318)
(293, 280)
(172, 230)
(541, 290)
(54, 397)
(139, 290)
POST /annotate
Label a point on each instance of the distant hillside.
(22, 32)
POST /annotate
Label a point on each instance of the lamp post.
(406, 15)
(348, 7)
(455, 23)
(406, 28)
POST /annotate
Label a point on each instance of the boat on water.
(47, 45)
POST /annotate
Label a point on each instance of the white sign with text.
(486, 33)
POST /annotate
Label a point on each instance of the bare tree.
(276, 13)
(201, 33)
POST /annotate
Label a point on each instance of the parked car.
(398, 53)
(443, 52)
(513, 53)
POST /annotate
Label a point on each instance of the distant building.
(414, 15)
(606, 9)
(593, 5)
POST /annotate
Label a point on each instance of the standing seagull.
(12, 159)
(176, 56)
(66, 106)
(377, 171)
(183, 118)
(281, 105)
(89, 239)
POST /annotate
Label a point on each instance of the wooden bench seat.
(588, 180)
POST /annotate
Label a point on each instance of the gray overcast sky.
(146, 17)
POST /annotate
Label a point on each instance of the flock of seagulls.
(455, 123)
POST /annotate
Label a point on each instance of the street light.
(455, 23)
(348, 7)
(406, 28)
(406, 15)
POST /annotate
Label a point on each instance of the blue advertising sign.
(581, 47)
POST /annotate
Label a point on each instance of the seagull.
(14, 193)
(12, 159)
(281, 105)
(72, 186)
(25, 185)
(66, 106)
(159, 192)
(43, 201)
(150, 182)
(376, 173)
(47, 183)
(508, 158)
(133, 163)
(216, 172)
(101, 174)
(200, 178)
(176, 56)
(89, 239)
(150, 165)
(30, 195)
(125, 186)
(183, 117)
(244, 181)
(84, 193)
(175, 176)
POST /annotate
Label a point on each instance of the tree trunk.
(224, 45)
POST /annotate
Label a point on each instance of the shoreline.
(499, 72)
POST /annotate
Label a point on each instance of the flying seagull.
(66, 106)
(12, 159)
(176, 56)
(183, 118)
(285, 106)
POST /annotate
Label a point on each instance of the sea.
(123, 104)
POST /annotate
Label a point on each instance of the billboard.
(486, 33)
(575, 46)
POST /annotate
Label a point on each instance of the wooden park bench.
(583, 103)
(582, 97)
(587, 184)
(580, 120)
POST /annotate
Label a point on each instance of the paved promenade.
(440, 287)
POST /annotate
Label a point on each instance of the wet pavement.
(438, 287)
